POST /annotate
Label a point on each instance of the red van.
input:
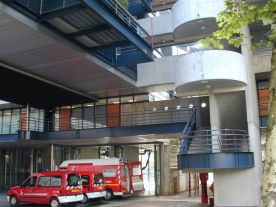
(53, 188)
(120, 177)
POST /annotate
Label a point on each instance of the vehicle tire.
(85, 199)
(54, 202)
(13, 201)
(109, 195)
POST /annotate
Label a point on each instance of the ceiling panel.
(44, 56)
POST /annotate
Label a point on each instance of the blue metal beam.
(130, 58)
(95, 29)
(60, 12)
(121, 27)
(210, 161)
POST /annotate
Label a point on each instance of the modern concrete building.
(88, 79)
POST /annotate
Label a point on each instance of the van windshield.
(73, 179)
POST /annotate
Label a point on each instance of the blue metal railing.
(185, 142)
(126, 17)
(215, 141)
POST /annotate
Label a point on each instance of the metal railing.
(187, 130)
(214, 141)
(118, 120)
(40, 7)
(104, 120)
(126, 17)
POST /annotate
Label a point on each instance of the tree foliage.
(237, 14)
(230, 21)
(124, 3)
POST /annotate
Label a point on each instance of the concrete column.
(214, 121)
(165, 171)
(52, 158)
(242, 187)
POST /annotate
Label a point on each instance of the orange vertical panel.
(64, 119)
(113, 115)
(23, 121)
(263, 101)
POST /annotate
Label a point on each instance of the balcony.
(215, 149)
(103, 28)
(98, 125)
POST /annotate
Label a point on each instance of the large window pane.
(15, 121)
(1, 117)
(41, 120)
(34, 119)
(88, 116)
(56, 119)
(100, 116)
(76, 117)
(6, 122)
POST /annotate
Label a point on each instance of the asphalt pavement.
(179, 200)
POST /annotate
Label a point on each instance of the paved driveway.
(133, 201)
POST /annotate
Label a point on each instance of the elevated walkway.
(103, 28)
(131, 127)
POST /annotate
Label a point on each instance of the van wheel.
(85, 199)
(54, 202)
(13, 201)
(109, 195)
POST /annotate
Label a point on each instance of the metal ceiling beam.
(99, 8)
(112, 45)
(96, 29)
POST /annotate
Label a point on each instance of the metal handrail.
(186, 131)
(124, 15)
(213, 141)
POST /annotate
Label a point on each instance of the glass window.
(44, 181)
(56, 119)
(55, 181)
(41, 120)
(1, 117)
(6, 122)
(98, 179)
(85, 179)
(88, 116)
(113, 100)
(127, 99)
(100, 116)
(123, 172)
(34, 119)
(111, 173)
(76, 117)
(139, 98)
(101, 102)
(136, 170)
(73, 179)
(30, 182)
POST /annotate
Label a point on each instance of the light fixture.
(191, 106)
(154, 109)
(203, 105)
(166, 108)
(178, 107)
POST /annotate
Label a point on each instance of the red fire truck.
(120, 177)
(92, 181)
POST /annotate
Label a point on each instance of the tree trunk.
(268, 189)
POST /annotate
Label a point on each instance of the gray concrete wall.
(232, 110)
(89, 153)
